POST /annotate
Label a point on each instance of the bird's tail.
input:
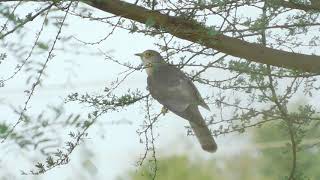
(199, 128)
(204, 136)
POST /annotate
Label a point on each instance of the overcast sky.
(109, 149)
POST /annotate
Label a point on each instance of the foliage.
(36, 132)
(245, 91)
(276, 157)
(175, 167)
(271, 160)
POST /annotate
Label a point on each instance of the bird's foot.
(164, 110)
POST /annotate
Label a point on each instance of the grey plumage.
(173, 89)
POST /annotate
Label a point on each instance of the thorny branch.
(288, 120)
(5, 25)
(282, 108)
(30, 52)
(149, 130)
(38, 79)
(28, 19)
(250, 79)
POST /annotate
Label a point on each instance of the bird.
(172, 88)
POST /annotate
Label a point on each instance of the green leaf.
(42, 45)
(212, 31)
(3, 128)
(150, 22)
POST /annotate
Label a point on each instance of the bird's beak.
(138, 54)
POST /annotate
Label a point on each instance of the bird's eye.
(148, 54)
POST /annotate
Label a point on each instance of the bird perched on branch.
(176, 92)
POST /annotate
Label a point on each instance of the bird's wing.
(193, 89)
(168, 96)
(198, 95)
(172, 88)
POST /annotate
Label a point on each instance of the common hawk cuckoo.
(175, 91)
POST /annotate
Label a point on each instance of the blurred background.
(84, 67)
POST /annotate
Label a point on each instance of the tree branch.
(195, 32)
(299, 6)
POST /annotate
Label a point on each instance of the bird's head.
(150, 57)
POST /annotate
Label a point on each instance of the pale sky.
(120, 149)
